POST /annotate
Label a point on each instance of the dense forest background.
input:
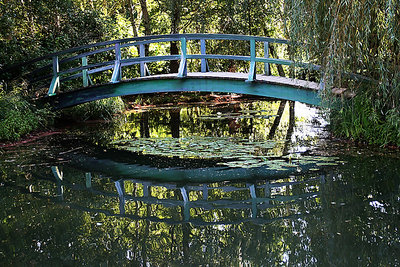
(31, 28)
(344, 37)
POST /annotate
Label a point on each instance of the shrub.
(360, 119)
(19, 117)
(100, 109)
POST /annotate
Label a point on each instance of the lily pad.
(235, 152)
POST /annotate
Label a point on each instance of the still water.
(242, 184)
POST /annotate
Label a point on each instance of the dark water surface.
(228, 185)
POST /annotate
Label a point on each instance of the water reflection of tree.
(277, 119)
(175, 122)
(189, 121)
(144, 125)
(290, 130)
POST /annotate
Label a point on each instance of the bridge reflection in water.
(222, 203)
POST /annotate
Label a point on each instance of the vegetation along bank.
(355, 42)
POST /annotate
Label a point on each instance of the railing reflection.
(59, 177)
(255, 198)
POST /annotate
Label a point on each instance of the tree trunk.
(145, 17)
(174, 64)
(145, 22)
(281, 71)
(175, 22)
(131, 8)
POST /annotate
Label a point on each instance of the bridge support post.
(55, 82)
(183, 64)
(252, 71)
(116, 76)
(267, 70)
(204, 62)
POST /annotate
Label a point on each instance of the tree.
(354, 37)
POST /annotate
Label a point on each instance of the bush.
(362, 120)
(19, 117)
(103, 109)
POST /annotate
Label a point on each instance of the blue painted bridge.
(71, 80)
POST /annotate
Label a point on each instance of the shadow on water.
(70, 203)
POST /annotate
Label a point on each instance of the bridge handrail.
(140, 42)
(147, 40)
(151, 39)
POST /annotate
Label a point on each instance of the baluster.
(59, 177)
(121, 195)
(205, 192)
(186, 204)
(252, 191)
(146, 189)
(88, 177)
(322, 82)
(267, 189)
(252, 71)
(142, 55)
(57, 173)
(253, 201)
(204, 62)
(85, 79)
(267, 70)
(183, 64)
(55, 82)
(116, 76)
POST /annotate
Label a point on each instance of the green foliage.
(354, 37)
(342, 36)
(19, 117)
(358, 119)
(33, 28)
(103, 109)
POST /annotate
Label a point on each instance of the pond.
(256, 183)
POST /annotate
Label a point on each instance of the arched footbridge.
(120, 67)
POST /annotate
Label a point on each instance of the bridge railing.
(255, 197)
(85, 69)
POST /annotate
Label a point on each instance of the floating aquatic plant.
(230, 152)
(242, 114)
(197, 147)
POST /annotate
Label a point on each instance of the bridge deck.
(276, 80)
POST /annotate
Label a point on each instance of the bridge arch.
(282, 88)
